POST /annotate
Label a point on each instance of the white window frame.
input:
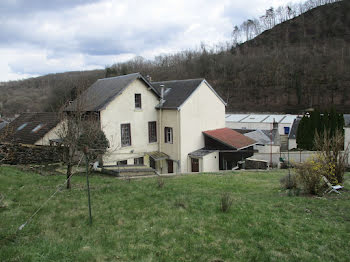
(168, 131)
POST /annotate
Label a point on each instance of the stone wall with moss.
(18, 154)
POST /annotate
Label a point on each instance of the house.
(163, 125)
(263, 122)
(293, 134)
(33, 128)
(267, 141)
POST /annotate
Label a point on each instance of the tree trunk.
(69, 173)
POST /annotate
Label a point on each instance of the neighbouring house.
(164, 125)
(267, 141)
(33, 128)
(293, 134)
(263, 122)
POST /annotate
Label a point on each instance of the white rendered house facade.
(157, 124)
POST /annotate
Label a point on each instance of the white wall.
(292, 144)
(52, 134)
(211, 162)
(122, 111)
(267, 148)
(202, 111)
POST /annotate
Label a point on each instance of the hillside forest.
(289, 59)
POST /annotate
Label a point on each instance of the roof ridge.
(113, 77)
(181, 80)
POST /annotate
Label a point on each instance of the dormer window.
(138, 101)
(37, 128)
(22, 126)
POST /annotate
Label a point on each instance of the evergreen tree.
(318, 122)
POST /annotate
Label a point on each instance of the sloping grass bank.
(137, 221)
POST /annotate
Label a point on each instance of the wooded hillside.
(303, 62)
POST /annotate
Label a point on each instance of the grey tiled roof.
(201, 152)
(347, 120)
(22, 129)
(294, 129)
(274, 135)
(259, 136)
(179, 91)
(3, 123)
(103, 91)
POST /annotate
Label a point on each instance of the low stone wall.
(18, 154)
(255, 164)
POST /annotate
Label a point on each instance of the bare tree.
(80, 129)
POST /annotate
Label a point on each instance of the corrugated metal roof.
(289, 119)
(255, 118)
(230, 138)
(235, 117)
(260, 118)
(274, 118)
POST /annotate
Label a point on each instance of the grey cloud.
(128, 42)
(25, 7)
(91, 43)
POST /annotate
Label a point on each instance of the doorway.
(170, 166)
(195, 164)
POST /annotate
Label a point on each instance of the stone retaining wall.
(18, 154)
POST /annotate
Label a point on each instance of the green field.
(138, 221)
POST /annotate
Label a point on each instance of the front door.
(195, 164)
(170, 166)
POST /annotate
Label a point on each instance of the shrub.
(309, 178)
(289, 181)
(331, 154)
(226, 202)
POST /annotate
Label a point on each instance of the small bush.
(289, 181)
(309, 176)
(226, 202)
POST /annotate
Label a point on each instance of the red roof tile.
(230, 137)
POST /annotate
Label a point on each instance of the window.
(22, 126)
(138, 161)
(122, 163)
(138, 101)
(168, 132)
(152, 132)
(125, 134)
(37, 128)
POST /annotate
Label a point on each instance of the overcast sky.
(38, 37)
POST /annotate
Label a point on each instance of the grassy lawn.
(137, 221)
